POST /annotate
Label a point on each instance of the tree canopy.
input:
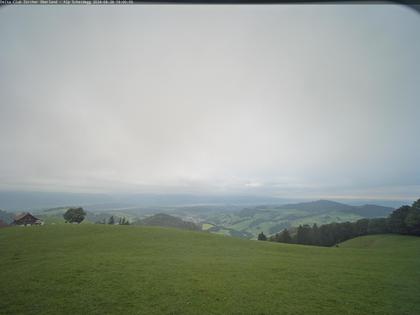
(74, 215)
(262, 237)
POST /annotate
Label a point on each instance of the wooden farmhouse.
(26, 219)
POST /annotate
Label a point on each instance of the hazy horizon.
(287, 101)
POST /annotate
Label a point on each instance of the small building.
(26, 219)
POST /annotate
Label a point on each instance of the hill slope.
(102, 269)
(366, 211)
(166, 220)
(272, 219)
(385, 242)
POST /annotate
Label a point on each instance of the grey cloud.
(263, 99)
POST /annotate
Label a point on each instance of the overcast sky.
(289, 101)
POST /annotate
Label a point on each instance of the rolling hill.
(233, 220)
(166, 220)
(102, 269)
(321, 206)
(272, 219)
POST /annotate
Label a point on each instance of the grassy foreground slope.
(398, 244)
(102, 269)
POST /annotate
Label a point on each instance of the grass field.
(206, 226)
(101, 269)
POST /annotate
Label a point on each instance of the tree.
(361, 227)
(345, 231)
(285, 237)
(111, 220)
(416, 204)
(397, 218)
(314, 235)
(262, 237)
(326, 235)
(303, 234)
(74, 215)
(412, 221)
(125, 221)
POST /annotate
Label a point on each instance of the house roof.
(22, 215)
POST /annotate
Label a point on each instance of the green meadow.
(102, 269)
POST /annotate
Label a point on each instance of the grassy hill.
(386, 242)
(102, 269)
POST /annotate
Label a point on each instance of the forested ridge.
(404, 220)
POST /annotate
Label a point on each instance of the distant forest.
(404, 220)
